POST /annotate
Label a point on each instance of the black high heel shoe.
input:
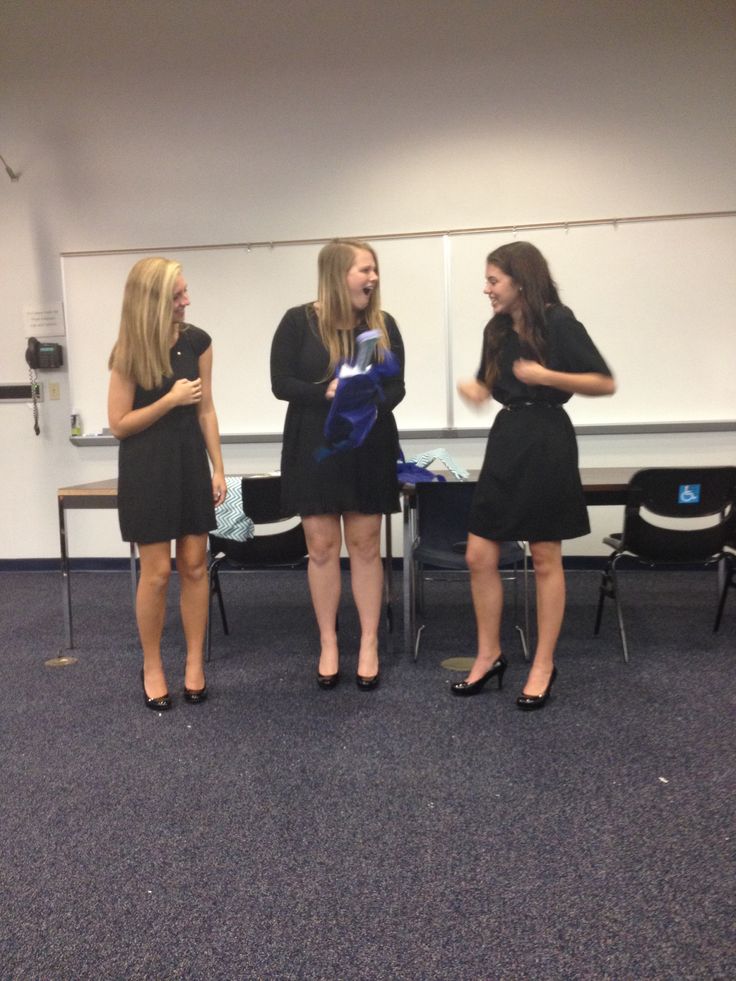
(160, 704)
(365, 684)
(328, 680)
(527, 703)
(195, 695)
(497, 670)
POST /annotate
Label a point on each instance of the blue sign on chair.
(688, 494)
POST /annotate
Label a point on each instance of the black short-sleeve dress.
(529, 487)
(164, 482)
(362, 479)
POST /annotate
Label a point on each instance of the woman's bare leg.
(191, 564)
(323, 572)
(486, 589)
(150, 611)
(363, 540)
(549, 577)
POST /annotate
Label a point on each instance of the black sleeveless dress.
(529, 487)
(164, 481)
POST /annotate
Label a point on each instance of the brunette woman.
(535, 356)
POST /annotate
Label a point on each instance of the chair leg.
(419, 587)
(417, 642)
(619, 614)
(215, 589)
(605, 589)
(526, 634)
(208, 627)
(410, 609)
(523, 632)
(728, 582)
(609, 588)
(220, 602)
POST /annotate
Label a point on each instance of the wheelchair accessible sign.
(688, 494)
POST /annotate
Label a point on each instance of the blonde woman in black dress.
(160, 407)
(351, 489)
(535, 356)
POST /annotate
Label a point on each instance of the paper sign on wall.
(43, 320)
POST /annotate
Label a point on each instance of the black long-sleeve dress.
(361, 479)
(529, 487)
(164, 482)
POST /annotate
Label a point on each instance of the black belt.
(513, 406)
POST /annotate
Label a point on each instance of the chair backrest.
(442, 517)
(691, 493)
(262, 504)
(262, 499)
(442, 513)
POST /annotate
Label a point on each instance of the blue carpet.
(283, 832)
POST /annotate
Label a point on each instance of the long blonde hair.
(335, 314)
(143, 348)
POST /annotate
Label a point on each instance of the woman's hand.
(530, 372)
(473, 391)
(219, 488)
(331, 389)
(186, 392)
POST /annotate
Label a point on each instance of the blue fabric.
(355, 407)
(409, 472)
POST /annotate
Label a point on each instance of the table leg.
(388, 585)
(406, 569)
(66, 589)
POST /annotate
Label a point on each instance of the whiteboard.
(239, 296)
(658, 298)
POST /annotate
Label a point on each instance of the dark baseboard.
(103, 564)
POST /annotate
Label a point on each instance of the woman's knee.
(324, 539)
(481, 555)
(363, 537)
(191, 558)
(546, 557)
(193, 570)
(155, 577)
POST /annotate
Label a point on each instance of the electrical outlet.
(54, 390)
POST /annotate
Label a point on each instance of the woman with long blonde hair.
(352, 488)
(161, 409)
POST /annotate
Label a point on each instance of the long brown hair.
(335, 314)
(528, 268)
(143, 348)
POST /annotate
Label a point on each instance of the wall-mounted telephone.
(41, 356)
(44, 355)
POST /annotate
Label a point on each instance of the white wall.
(147, 124)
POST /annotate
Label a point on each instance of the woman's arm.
(210, 428)
(126, 421)
(583, 383)
(288, 362)
(473, 391)
(394, 388)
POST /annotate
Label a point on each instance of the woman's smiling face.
(502, 291)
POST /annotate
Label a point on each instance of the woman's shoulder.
(198, 338)
(558, 315)
(301, 316)
(389, 321)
